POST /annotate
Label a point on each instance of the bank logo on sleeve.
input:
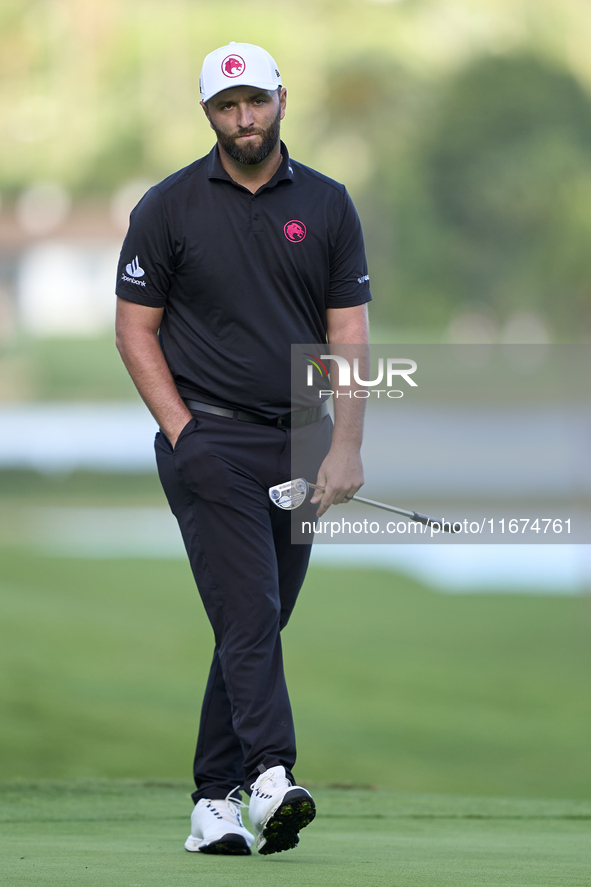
(133, 269)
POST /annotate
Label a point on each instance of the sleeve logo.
(133, 269)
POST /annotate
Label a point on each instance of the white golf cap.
(238, 64)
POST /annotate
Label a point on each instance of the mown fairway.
(102, 665)
(455, 707)
(120, 833)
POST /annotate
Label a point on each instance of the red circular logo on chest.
(295, 231)
(233, 66)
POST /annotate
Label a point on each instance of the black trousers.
(249, 575)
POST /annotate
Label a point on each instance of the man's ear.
(282, 100)
(206, 112)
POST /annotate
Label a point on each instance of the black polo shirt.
(242, 276)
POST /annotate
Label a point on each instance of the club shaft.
(413, 515)
(384, 506)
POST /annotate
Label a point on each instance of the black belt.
(289, 420)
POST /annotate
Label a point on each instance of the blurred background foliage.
(462, 129)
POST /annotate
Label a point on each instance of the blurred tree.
(471, 170)
(386, 107)
(479, 187)
(505, 165)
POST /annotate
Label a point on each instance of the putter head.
(289, 495)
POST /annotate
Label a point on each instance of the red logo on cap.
(233, 66)
(294, 231)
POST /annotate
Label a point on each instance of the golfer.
(225, 264)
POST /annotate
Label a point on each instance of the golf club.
(292, 493)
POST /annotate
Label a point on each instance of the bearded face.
(254, 151)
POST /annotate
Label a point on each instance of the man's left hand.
(339, 476)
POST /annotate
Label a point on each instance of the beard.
(251, 154)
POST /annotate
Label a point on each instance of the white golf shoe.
(216, 827)
(278, 810)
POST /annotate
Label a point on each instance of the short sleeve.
(146, 264)
(349, 279)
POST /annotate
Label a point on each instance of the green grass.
(130, 834)
(26, 486)
(103, 662)
(64, 369)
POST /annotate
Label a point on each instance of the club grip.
(446, 526)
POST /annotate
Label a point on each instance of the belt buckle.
(280, 422)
